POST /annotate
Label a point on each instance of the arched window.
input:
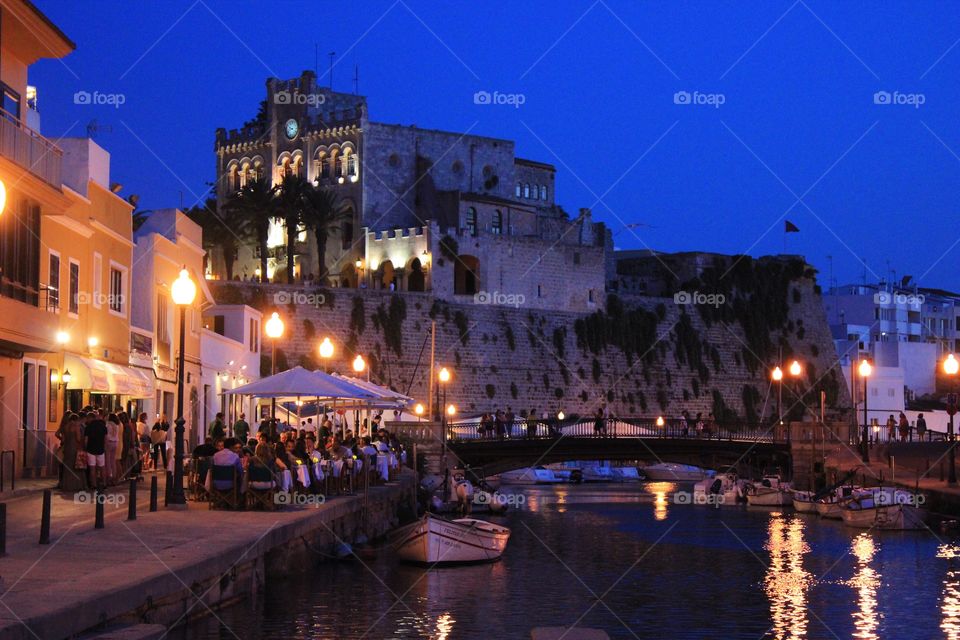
(496, 225)
(543, 192)
(466, 275)
(526, 190)
(471, 221)
(519, 189)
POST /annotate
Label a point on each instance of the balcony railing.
(30, 150)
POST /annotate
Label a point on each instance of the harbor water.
(635, 561)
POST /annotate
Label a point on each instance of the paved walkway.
(85, 575)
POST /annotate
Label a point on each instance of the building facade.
(400, 182)
(230, 357)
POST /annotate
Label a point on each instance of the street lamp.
(795, 370)
(3, 196)
(418, 409)
(274, 330)
(183, 292)
(777, 376)
(444, 377)
(950, 367)
(326, 352)
(865, 369)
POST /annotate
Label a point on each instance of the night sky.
(798, 135)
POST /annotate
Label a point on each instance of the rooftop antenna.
(332, 54)
(356, 79)
(94, 127)
(831, 285)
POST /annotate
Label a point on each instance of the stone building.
(429, 210)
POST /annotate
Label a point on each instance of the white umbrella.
(299, 382)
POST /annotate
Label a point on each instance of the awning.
(301, 383)
(97, 376)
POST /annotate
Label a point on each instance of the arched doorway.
(466, 275)
(387, 275)
(416, 281)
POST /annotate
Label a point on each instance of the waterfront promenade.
(168, 566)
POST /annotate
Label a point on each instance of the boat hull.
(896, 517)
(436, 541)
(830, 510)
(770, 498)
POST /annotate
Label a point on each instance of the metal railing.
(30, 150)
(611, 428)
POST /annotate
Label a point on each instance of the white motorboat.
(831, 507)
(803, 501)
(434, 540)
(885, 508)
(769, 492)
(724, 488)
(673, 472)
(588, 471)
(529, 475)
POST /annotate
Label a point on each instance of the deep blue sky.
(877, 182)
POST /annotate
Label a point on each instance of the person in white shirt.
(112, 444)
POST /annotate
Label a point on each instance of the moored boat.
(830, 507)
(724, 488)
(673, 472)
(529, 475)
(435, 540)
(770, 491)
(884, 508)
(804, 501)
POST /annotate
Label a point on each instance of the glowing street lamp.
(3, 196)
(660, 421)
(274, 330)
(950, 367)
(418, 409)
(777, 376)
(561, 415)
(63, 337)
(451, 410)
(865, 370)
(795, 369)
(183, 291)
(444, 376)
(326, 353)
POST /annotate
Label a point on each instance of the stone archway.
(416, 279)
(466, 275)
(387, 275)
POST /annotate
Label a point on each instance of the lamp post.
(795, 370)
(777, 376)
(358, 366)
(183, 292)
(950, 367)
(865, 369)
(444, 377)
(359, 266)
(418, 409)
(326, 353)
(274, 329)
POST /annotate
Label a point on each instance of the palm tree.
(217, 234)
(253, 208)
(290, 200)
(322, 213)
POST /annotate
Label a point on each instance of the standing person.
(532, 423)
(921, 427)
(143, 436)
(904, 427)
(684, 424)
(509, 418)
(698, 425)
(891, 429)
(130, 446)
(500, 425)
(241, 430)
(112, 444)
(158, 439)
(217, 430)
(94, 443)
(598, 426)
(74, 478)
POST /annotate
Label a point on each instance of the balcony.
(30, 150)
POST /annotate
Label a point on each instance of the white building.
(230, 357)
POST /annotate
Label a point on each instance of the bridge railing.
(609, 428)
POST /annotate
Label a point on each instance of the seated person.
(208, 448)
(226, 457)
(366, 448)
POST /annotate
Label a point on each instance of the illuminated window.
(496, 225)
(526, 190)
(543, 192)
(471, 222)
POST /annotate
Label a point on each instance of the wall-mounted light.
(92, 342)
(65, 378)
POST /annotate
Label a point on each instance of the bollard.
(153, 493)
(45, 518)
(3, 528)
(167, 488)
(98, 501)
(132, 504)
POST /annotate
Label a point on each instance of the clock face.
(291, 128)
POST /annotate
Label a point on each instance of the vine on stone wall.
(358, 316)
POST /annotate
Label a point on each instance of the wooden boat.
(884, 508)
(803, 501)
(434, 540)
(831, 506)
(769, 492)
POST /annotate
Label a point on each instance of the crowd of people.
(98, 449)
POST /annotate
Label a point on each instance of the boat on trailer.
(437, 541)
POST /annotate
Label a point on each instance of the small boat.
(885, 508)
(529, 475)
(804, 502)
(769, 492)
(673, 472)
(434, 540)
(830, 507)
(724, 488)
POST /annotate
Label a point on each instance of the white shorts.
(96, 460)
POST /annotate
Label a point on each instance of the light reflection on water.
(781, 575)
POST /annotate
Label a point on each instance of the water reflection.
(786, 581)
(866, 581)
(950, 599)
(444, 626)
(660, 505)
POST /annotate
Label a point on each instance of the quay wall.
(218, 567)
